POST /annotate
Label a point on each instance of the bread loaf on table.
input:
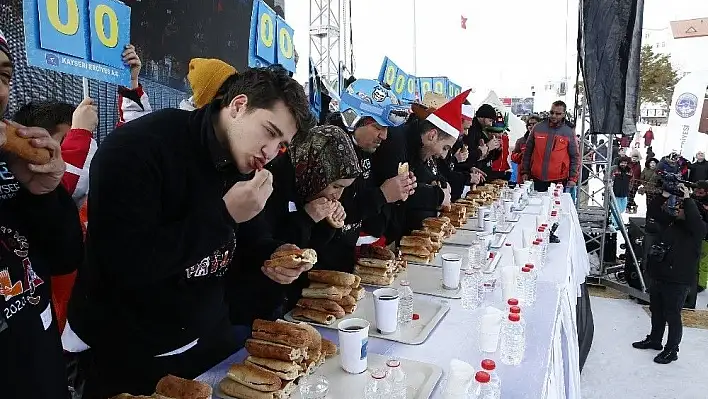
(284, 370)
(329, 292)
(176, 387)
(417, 251)
(415, 258)
(357, 282)
(240, 391)
(358, 293)
(331, 277)
(329, 349)
(415, 241)
(371, 270)
(346, 301)
(254, 377)
(270, 350)
(323, 305)
(313, 316)
(280, 333)
(376, 280)
(377, 263)
(349, 309)
(315, 339)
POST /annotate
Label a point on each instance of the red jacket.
(501, 164)
(517, 155)
(551, 154)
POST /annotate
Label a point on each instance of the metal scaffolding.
(326, 37)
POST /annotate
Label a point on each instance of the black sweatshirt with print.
(40, 237)
(160, 238)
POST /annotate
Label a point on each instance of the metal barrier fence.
(33, 84)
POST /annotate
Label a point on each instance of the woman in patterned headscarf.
(308, 181)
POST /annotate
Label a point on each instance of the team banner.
(270, 39)
(315, 95)
(409, 88)
(80, 37)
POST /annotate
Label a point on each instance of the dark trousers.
(665, 302)
(541, 186)
(106, 373)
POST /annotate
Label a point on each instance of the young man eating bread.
(153, 292)
(40, 236)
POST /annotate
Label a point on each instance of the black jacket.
(288, 222)
(404, 145)
(683, 238)
(457, 179)
(698, 171)
(476, 136)
(621, 180)
(40, 237)
(161, 239)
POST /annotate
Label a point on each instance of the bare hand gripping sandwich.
(291, 258)
(22, 147)
(336, 223)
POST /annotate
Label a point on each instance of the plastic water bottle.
(396, 379)
(471, 282)
(536, 253)
(473, 255)
(513, 341)
(484, 388)
(489, 367)
(530, 293)
(517, 310)
(405, 303)
(523, 281)
(377, 387)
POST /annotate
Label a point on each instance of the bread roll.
(357, 282)
(270, 350)
(23, 147)
(349, 309)
(358, 269)
(280, 333)
(313, 316)
(375, 252)
(415, 241)
(358, 293)
(403, 168)
(329, 292)
(416, 259)
(329, 349)
(347, 300)
(331, 277)
(376, 280)
(285, 370)
(176, 387)
(254, 377)
(322, 305)
(418, 251)
(377, 263)
(239, 391)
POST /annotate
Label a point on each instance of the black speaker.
(610, 254)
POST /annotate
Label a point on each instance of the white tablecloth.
(550, 368)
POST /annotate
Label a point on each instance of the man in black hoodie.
(483, 149)
(698, 170)
(40, 236)
(172, 195)
(678, 231)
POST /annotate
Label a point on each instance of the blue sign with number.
(388, 72)
(79, 37)
(271, 39)
(440, 85)
(426, 85)
(410, 88)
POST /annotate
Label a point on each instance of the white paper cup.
(386, 310)
(516, 196)
(489, 333)
(481, 214)
(508, 275)
(452, 264)
(489, 226)
(527, 236)
(521, 256)
(353, 342)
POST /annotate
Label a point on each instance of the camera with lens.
(658, 251)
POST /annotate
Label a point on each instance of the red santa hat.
(467, 112)
(448, 117)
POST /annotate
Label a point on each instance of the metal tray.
(498, 240)
(455, 249)
(492, 263)
(506, 228)
(431, 311)
(471, 225)
(426, 280)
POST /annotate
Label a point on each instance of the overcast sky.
(508, 46)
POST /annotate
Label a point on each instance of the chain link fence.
(34, 84)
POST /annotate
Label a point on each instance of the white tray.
(515, 217)
(415, 333)
(426, 280)
(492, 263)
(505, 229)
(421, 378)
(471, 225)
(461, 237)
(498, 241)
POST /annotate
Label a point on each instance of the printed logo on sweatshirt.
(365, 168)
(217, 264)
(9, 186)
(18, 281)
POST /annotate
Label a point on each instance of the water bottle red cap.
(514, 309)
(536, 242)
(488, 364)
(544, 225)
(554, 213)
(491, 255)
(540, 228)
(558, 202)
(514, 316)
(482, 377)
(512, 301)
(525, 270)
(539, 240)
(529, 265)
(507, 244)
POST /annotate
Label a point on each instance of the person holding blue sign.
(40, 236)
(152, 300)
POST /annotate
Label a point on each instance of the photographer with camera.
(678, 231)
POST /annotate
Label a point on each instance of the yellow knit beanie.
(206, 75)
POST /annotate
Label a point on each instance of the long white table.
(550, 368)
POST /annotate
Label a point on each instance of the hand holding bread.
(336, 219)
(246, 199)
(399, 188)
(288, 262)
(320, 208)
(35, 157)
